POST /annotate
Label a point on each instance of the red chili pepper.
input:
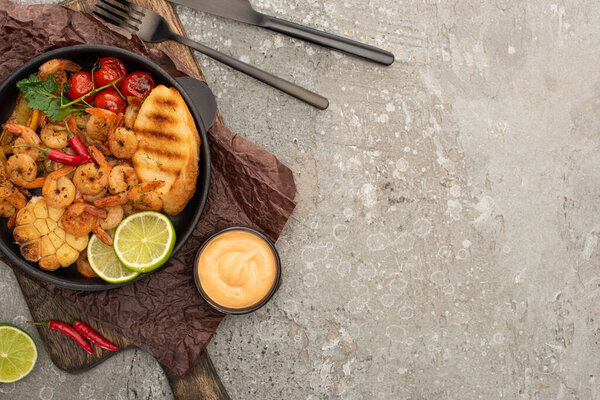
(94, 336)
(59, 156)
(67, 330)
(77, 144)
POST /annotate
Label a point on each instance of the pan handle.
(202, 97)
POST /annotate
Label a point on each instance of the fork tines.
(129, 19)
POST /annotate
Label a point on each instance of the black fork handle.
(263, 76)
(328, 40)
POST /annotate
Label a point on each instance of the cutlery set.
(152, 27)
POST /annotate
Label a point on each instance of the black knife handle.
(257, 73)
(328, 40)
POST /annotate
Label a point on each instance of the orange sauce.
(237, 269)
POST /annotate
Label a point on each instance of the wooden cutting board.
(200, 383)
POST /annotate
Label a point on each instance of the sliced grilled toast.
(169, 147)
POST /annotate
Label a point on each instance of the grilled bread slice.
(169, 147)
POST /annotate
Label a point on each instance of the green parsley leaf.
(40, 94)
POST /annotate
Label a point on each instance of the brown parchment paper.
(162, 313)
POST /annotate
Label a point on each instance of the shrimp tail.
(12, 221)
(116, 200)
(54, 176)
(26, 132)
(147, 186)
(13, 196)
(14, 128)
(134, 101)
(117, 122)
(62, 171)
(98, 156)
(101, 112)
(98, 212)
(77, 209)
(102, 235)
(57, 65)
(17, 199)
(72, 125)
(34, 184)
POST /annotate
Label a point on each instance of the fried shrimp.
(83, 266)
(30, 151)
(145, 197)
(28, 136)
(58, 190)
(101, 122)
(102, 235)
(121, 178)
(57, 66)
(132, 111)
(54, 136)
(89, 179)
(22, 171)
(91, 198)
(116, 200)
(77, 123)
(79, 219)
(114, 215)
(11, 200)
(122, 142)
(7, 210)
(142, 197)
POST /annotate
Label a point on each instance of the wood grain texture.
(164, 8)
(202, 382)
(65, 354)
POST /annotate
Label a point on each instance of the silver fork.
(151, 27)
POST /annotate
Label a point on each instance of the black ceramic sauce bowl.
(265, 299)
(184, 223)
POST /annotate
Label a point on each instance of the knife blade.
(242, 11)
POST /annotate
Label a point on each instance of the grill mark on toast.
(167, 173)
(161, 118)
(156, 133)
(168, 147)
(162, 152)
(165, 101)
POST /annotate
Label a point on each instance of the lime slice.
(18, 353)
(105, 263)
(144, 241)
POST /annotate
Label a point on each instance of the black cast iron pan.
(202, 105)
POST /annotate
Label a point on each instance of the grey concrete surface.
(445, 243)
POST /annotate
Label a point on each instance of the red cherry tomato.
(109, 99)
(138, 84)
(81, 84)
(110, 70)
